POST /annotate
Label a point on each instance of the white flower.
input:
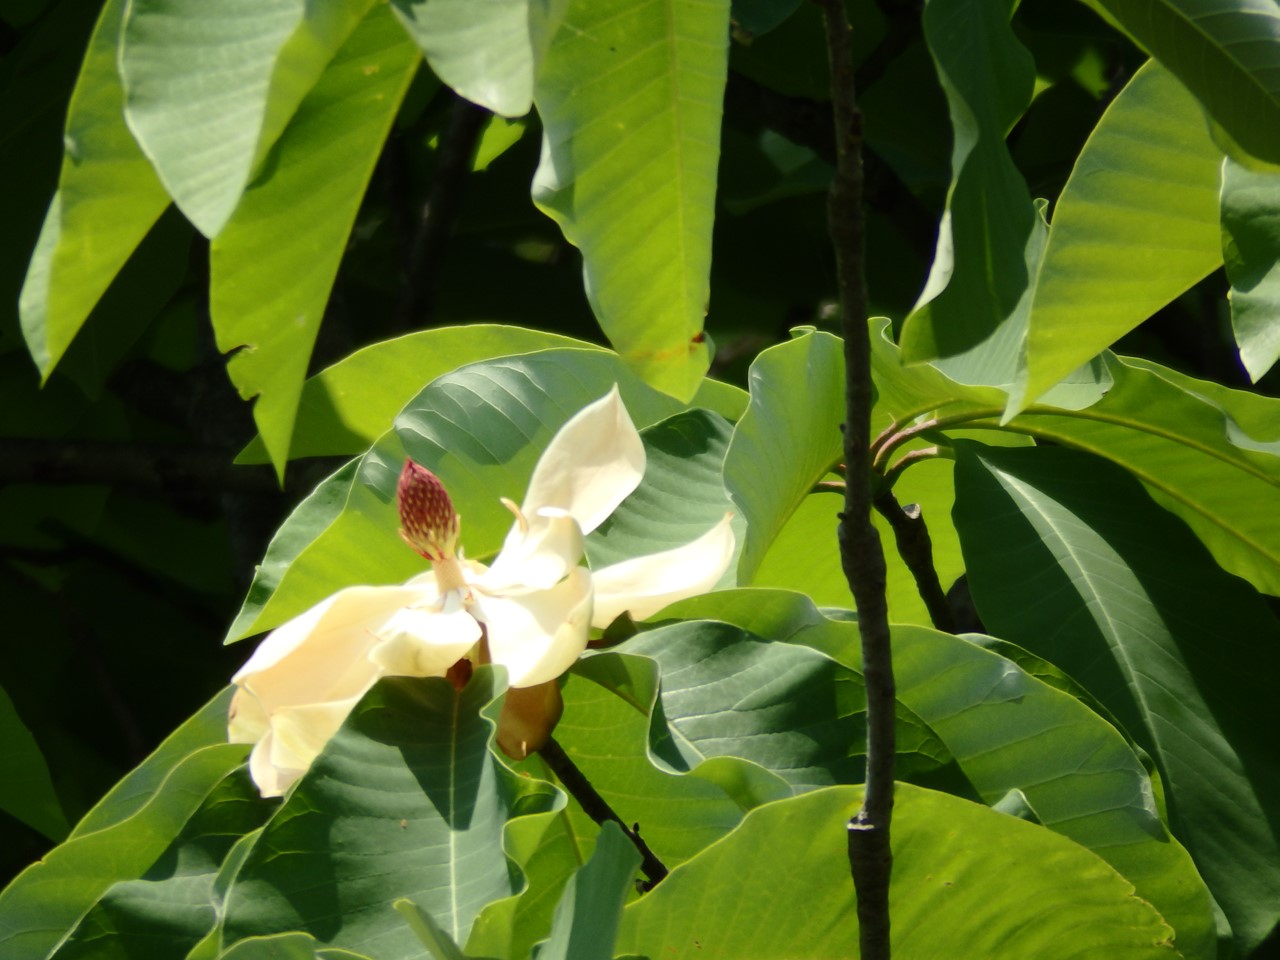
(530, 611)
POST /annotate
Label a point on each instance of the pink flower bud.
(430, 524)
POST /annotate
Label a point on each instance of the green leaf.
(1043, 896)
(630, 98)
(1135, 226)
(347, 406)
(26, 792)
(1223, 51)
(1009, 731)
(487, 52)
(424, 927)
(990, 228)
(405, 801)
(586, 919)
(170, 907)
(49, 898)
(183, 62)
(1069, 557)
(725, 692)
(1204, 451)
(1251, 248)
(286, 946)
(108, 198)
(295, 220)
(681, 497)
(481, 429)
(787, 440)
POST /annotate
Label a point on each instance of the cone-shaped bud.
(430, 524)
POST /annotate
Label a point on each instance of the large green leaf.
(346, 407)
(1206, 452)
(1011, 732)
(481, 429)
(1251, 249)
(630, 98)
(980, 269)
(779, 886)
(1069, 557)
(1135, 226)
(108, 198)
(487, 52)
(209, 87)
(26, 792)
(49, 898)
(586, 919)
(171, 906)
(405, 801)
(294, 222)
(787, 440)
(1223, 51)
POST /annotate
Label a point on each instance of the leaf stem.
(916, 549)
(598, 809)
(861, 554)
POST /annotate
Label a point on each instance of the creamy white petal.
(247, 721)
(591, 465)
(644, 585)
(537, 556)
(298, 734)
(323, 653)
(538, 636)
(426, 641)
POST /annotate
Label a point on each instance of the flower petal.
(426, 641)
(297, 736)
(644, 585)
(537, 557)
(537, 636)
(591, 465)
(322, 654)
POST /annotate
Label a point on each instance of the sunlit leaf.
(1135, 226)
(1251, 248)
(1069, 557)
(586, 919)
(1009, 731)
(1223, 51)
(209, 88)
(1044, 896)
(990, 229)
(405, 801)
(630, 99)
(347, 406)
(295, 219)
(487, 52)
(108, 198)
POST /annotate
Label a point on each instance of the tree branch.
(916, 549)
(861, 554)
(598, 809)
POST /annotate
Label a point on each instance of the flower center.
(429, 523)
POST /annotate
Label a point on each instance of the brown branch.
(916, 549)
(861, 554)
(598, 809)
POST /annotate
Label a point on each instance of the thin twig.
(861, 554)
(598, 809)
(916, 550)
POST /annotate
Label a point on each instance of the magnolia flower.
(529, 611)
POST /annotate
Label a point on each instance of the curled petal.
(644, 585)
(591, 465)
(537, 554)
(537, 636)
(426, 641)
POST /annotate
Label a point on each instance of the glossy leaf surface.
(1069, 557)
